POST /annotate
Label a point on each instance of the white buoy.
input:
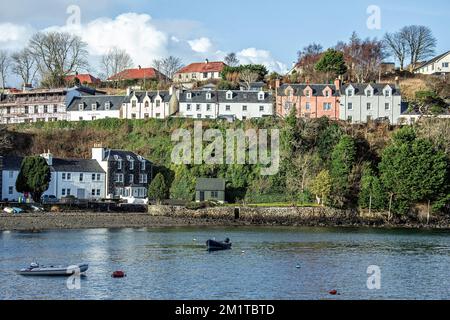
(298, 266)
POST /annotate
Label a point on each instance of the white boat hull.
(54, 270)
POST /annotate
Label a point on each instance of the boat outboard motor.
(227, 240)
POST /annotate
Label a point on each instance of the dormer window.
(133, 103)
(143, 165)
(350, 92)
(81, 107)
(107, 105)
(189, 95)
(131, 164)
(308, 93)
(261, 96)
(387, 93)
(369, 92)
(94, 106)
(158, 103)
(208, 96)
(327, 93)
(229, 95)
(146, 104)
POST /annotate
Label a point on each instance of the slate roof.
(13, 163)
(152, 95)
(76, 165)
(100, 100)
(111, 154)
(219, 96)
(377, 88)
(216, 66)
(210, 184)
(300, 87)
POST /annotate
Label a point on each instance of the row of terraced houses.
(356, 103)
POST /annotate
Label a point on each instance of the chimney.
(337, 83)
(397, 82)
(98, 152)
(277, 83)
(48, 157)
(128, 91)
(206, 61)
(171, 90)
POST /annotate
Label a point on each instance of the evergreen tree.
(158, 189)
(34, 177)
(372, 194)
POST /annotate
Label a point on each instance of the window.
(94, 106)
(93, 177)
(119, 164)
(244, 108)
(63, 192)
(119, 177)
(327, 106)
(80, 107)
(350, 106)
(131, 178)
(107, 105)
(146, 116)
(133, 116)
(45, 109)
(208, 107)
(133, 103)
(369, 93)
(143, 165)
(208, 96)
(68, 192)
(98, 192)
(308, 106)
(98, 176)
(308, 93)
(349, 118)
(146, 104)
(198, 107)
(350, 92)
(261, 108)
(131, 164)
(158, 115)
(445, 64)
(189, 95)
(199, 116)
(205, 75)
(93, 117)
(229, 95)
(55, 108)
(387, 106)
(80, 118)
(227, 108)
(214, 194)
(93, 192)
(261, 96)
(10, 190)
(158, 103)
(387, 93)
(369, 106)
(81, 177)
(327, 94)
(188, 107)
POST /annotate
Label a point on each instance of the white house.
(360, 103)
(437, 65)
(150, 104)
(212, 104)
(82, 178)
(95, 107)
(199, 71)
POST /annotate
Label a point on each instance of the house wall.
(9, 178)
(74, 183)
(89, 115)
(195, 76)
(1, 177)
(142, 112)
(33, 113)
(360, 113)
(221, 196)
(442, 65)
(316, 106)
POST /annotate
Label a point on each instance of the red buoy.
(333, 292)
(118, 274)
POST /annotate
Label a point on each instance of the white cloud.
(14, 37)
(201, 45)
(258, 56)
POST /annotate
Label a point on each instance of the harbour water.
(265, 263)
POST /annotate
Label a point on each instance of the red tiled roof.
(136, 74)
(84, 78)
(203, 67)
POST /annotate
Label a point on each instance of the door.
(80, 193)
(202, 195)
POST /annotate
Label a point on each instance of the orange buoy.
(333, 292)
(118, 274)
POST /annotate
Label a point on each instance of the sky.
(259, 31)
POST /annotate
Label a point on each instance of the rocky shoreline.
(169, 216)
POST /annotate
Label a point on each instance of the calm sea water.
(265, 263)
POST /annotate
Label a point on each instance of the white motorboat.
(40, 270)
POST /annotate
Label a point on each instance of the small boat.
(213, 245)
(39, 270)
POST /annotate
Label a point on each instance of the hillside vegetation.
(333, 163)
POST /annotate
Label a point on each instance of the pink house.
(309, 100)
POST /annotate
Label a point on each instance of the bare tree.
(397, 46)
(5, 140)
(4, 67)
(58, 54)
(421, 43)
(248, 76)
(115, 61)
(232, 60)
(24, 66)
(168, 66)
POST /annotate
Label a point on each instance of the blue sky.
(264, 31)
